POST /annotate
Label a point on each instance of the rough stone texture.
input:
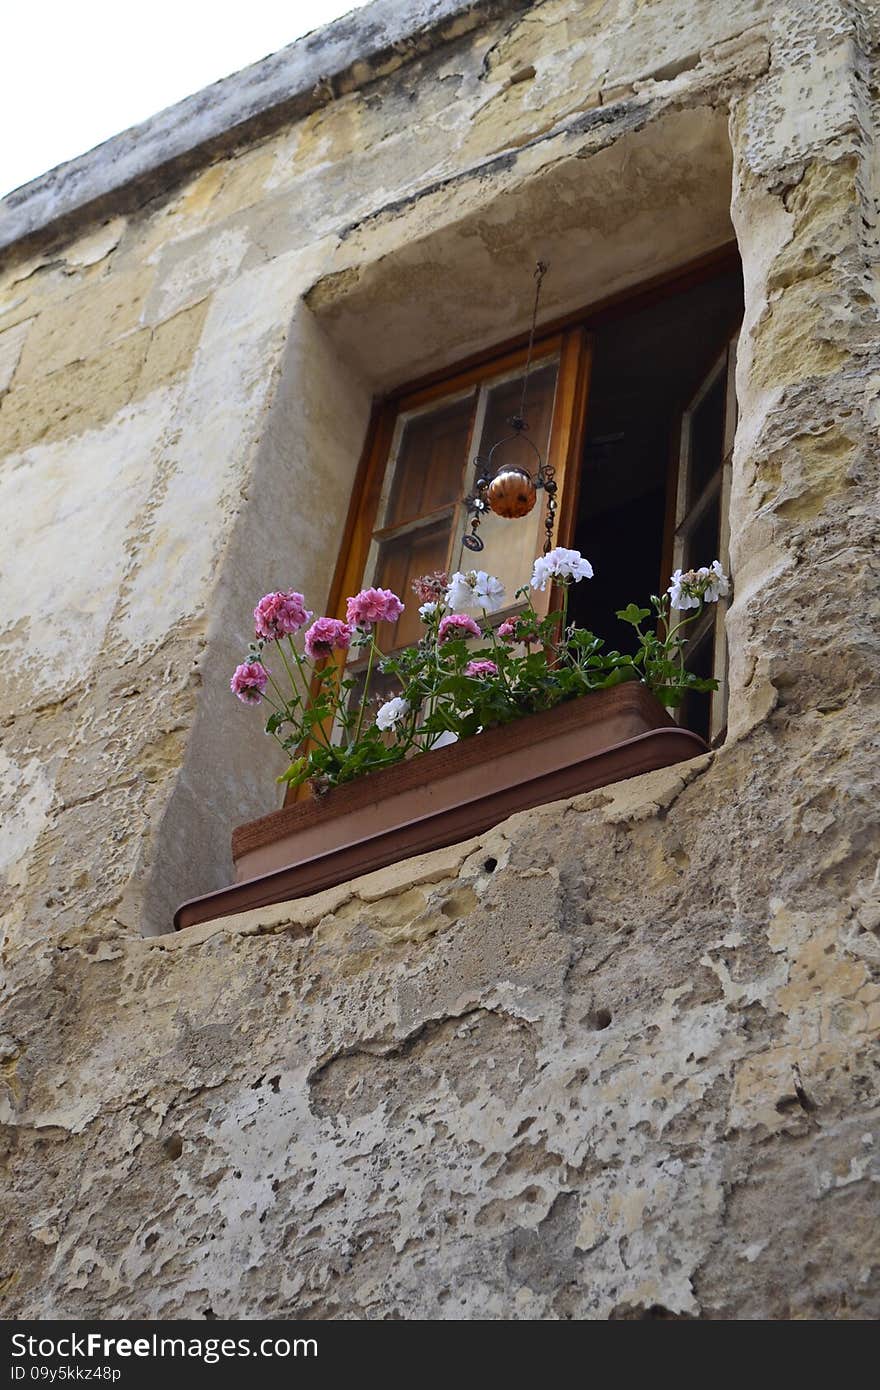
(617, 1057)
(342, 57)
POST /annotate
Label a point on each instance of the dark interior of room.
(646, 366)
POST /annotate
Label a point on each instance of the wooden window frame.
(573, 347)
(571, 335)
(712, 624)
(562, 351)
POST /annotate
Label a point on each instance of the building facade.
(617, 1056)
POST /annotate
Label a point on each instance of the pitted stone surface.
(616, 1058)
(564, 1086)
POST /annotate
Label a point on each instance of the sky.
(73, 74)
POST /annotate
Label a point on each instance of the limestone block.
(78, 397)
(187, 270)
(29, 287)
(96, 245)
(795, 340)
(184, 211)
(11, 344)
(245, 179)
(27, 795)
(81, 495)
(172, 347)
(223, 398)
(823, 206)
(803, 106)
(85, 323)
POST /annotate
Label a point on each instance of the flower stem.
(496, 647)
(366, 691)
(672, 633)
(307, 691)
(277, 688)
(299, 666)
(289, 671)
(564, 618)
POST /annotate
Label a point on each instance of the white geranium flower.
(426, 610)
(391, 713)
(460, 594)
(718, 585)
(565, 566)
(679, 591)
(475, 590)
(690, 588)
(488, 592)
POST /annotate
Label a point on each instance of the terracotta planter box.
(446, 796)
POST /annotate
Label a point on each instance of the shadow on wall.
(405, 301)
(285, 535)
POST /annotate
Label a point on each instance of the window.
(633, 404)
(421, 516)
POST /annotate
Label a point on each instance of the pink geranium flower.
(373, 606)
(517, 630)
(457, 625)
(280, 615)
(430, 588)
(325, 636)
(249, 681)
(481, 669)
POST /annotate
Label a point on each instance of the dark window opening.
(646, 367)
(634, 408)
(650, 494)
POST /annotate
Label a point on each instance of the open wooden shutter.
(702, 526)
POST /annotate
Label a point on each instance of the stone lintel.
(144, 161)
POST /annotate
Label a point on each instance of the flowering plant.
(464, 675)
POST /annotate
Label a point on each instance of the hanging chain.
(477, 503)
(551, 488)
(546, 475)
(519, 420)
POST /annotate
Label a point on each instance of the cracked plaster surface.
(615, 1059)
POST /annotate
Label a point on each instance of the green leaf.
(633, 614)
(296, 774)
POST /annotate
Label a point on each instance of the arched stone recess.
(608, 203)
(447, 274)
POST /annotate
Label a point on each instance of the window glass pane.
(511, 545)
(401, 561)
(707, 438)
(431, 462)
(696, 708)
(701, 545)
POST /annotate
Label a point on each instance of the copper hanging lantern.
(512, 493)
(512, 490)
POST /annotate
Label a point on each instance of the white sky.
(75, 72)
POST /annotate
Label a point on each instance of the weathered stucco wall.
(615, 1058)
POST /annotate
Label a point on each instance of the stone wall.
(612, 1060)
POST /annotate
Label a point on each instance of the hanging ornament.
(512, 491)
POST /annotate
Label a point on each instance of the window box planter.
(445, 796)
